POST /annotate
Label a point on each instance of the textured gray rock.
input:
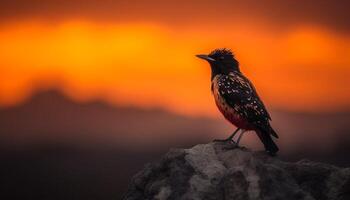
(212, 171)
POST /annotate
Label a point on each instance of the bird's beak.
(205, 57)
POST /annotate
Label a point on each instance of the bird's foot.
(228, 140)
(231, 146)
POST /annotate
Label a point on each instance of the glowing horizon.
(151, 65)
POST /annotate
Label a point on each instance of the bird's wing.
(240, 94)
(258, 97)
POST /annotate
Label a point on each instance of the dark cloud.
(282, 14)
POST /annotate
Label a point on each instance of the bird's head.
(222, 61)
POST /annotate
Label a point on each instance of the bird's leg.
(229, 139)
(235, 144)
(240, 137)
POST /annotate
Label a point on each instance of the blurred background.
(92, 90)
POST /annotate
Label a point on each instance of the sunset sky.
(141, 53)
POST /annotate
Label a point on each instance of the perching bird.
(237, 99)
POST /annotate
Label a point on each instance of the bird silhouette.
(237, 99)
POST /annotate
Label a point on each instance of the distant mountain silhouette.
(49, 116)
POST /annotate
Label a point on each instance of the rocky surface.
(214, 172)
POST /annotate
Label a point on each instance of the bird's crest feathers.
(221, 52)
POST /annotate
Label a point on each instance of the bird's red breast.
(228, 111)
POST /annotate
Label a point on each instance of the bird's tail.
(268, 142)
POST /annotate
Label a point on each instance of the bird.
(237, 99)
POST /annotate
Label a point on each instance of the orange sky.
(150, 63)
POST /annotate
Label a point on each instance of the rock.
(214, 171)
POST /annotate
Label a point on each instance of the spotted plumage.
(237, 99)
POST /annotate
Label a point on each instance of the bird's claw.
(231, 146)
(229, 140)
